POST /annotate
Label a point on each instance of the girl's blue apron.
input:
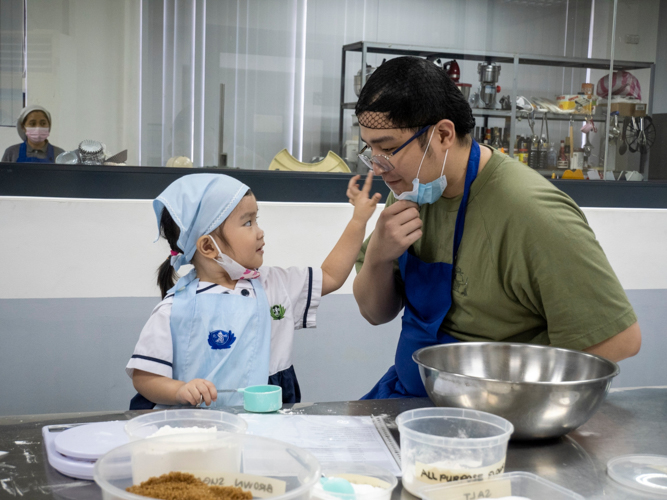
(219, 337)
(223, 338)
(428, 298)
(24, 158)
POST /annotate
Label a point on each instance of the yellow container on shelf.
(573, 174)
(567, 102)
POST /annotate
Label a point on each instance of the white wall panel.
(635, 241)
(66, 248)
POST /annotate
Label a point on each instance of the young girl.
(230, 322)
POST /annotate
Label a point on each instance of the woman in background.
(33, 126)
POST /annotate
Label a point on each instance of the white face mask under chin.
(426, 194)
(235, 270)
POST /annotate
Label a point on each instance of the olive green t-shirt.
(529, 268)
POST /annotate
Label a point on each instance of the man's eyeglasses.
(382, 161)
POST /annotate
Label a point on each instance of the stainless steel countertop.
(629, 422)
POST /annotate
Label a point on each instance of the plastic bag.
(624, 84)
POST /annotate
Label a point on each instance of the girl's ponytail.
(166, 275)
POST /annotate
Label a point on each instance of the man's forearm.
(375, 292)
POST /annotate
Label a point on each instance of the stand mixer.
(489, 74)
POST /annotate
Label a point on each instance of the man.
(478, 247)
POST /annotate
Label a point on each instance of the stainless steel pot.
(465, 89)
(488, 73)
(544, 391)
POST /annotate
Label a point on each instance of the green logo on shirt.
(277, 312)
(460, 284)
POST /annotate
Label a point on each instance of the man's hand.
(398, 227)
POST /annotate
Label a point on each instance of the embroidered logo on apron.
(221, 339)
(277, 312)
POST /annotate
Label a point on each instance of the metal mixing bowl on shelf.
(543, 391)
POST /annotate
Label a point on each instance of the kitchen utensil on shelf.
(452, 69)
(465, 89)
(640, 133)
(544, 391)
(571, 136)
(624, 143)
(91, 152)
(587, 128)
(505, 102)
(489, 74)
(117, 158)
(588, 148)
(258, 398)
(357, 78)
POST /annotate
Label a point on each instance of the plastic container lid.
(640, 472)
(516, 484)
(146, 425)
(467, 428)
(91, 441)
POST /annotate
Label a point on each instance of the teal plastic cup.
(262, 398)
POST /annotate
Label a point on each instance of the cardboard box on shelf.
(635, 109)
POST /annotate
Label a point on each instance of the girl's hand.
(192, 392)
(363, 205)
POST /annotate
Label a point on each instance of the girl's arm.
(167, 391)
(338, 264)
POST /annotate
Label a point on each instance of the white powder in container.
(168, 430)
(361, 492)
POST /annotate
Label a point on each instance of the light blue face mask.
(426, 194)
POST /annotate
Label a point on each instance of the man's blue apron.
(24, 158)
(428, 298)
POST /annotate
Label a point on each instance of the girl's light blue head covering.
(198, 203)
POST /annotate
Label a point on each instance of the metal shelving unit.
(516, 60)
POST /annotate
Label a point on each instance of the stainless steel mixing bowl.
(544, 391)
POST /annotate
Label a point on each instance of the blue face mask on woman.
(426, 194)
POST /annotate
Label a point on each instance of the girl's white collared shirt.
(293, 294)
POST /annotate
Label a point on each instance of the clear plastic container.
(515, 484)
(647, 473)
(441, 445)
(147, 425)
(369, 482)
(260, 465)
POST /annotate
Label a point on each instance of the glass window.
(11, 61)
(231, 83)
